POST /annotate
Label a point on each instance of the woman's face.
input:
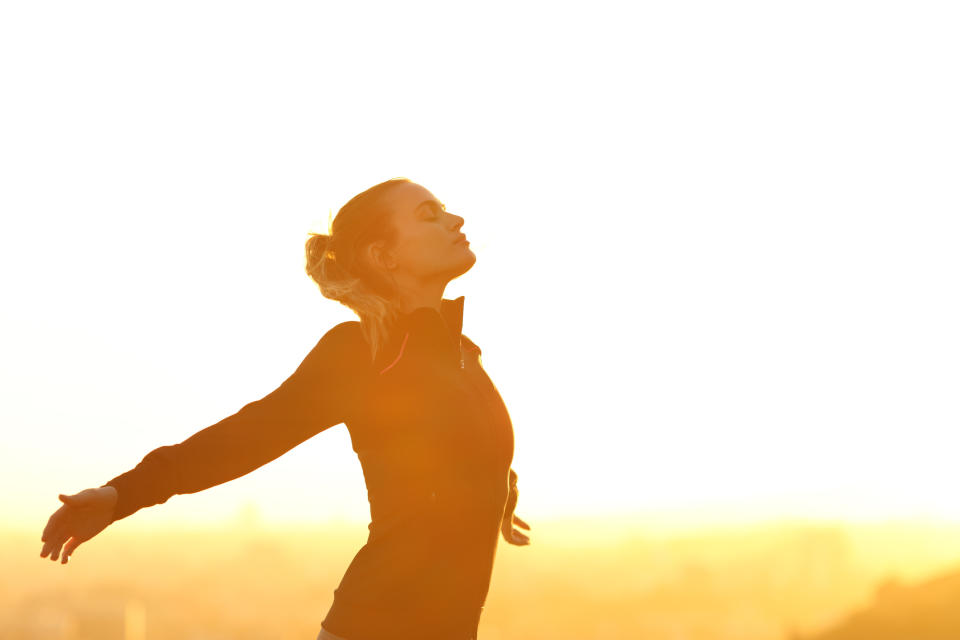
(429, 248)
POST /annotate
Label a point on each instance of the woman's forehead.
(408, 197)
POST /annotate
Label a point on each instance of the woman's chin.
(466, 264)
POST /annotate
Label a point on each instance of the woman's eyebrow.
(442, 206)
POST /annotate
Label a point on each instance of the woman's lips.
(462, 239)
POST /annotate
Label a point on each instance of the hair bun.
(319, 246)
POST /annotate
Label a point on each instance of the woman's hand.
(82, 516)
(511, 535)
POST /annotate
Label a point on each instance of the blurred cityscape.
(602, 580)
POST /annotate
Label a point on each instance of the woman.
(432, 434)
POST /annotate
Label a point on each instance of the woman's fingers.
(70, 547)
(52, 547)
(518, 538)
(55, 533)
(52, 524)
(514, 536)
(52, 539)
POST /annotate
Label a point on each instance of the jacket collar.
(436, 331)
(450, 315)
(452, 312)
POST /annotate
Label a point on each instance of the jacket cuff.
(129, 500)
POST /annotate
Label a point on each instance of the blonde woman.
(432, 433)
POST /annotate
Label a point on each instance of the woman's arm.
(318, 395)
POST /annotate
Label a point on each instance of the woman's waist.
(484, 497)
(444, 507)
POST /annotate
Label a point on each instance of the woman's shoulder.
(348, 331)
(343, 345)
(348, 335)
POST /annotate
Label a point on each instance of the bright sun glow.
(717, 242)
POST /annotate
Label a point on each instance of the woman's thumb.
(72, 501)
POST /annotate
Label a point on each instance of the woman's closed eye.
(435, 212)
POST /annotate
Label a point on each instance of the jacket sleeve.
(318, 395)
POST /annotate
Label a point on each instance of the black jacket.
(435, 442)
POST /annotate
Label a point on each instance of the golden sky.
(717, 242)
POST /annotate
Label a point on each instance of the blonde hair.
(335, 261)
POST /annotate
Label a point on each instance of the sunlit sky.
(717, 270)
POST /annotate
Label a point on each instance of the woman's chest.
(436, 406)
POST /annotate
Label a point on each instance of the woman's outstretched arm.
(318, 395)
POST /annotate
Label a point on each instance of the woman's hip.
(326, 635)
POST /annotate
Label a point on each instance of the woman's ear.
(379, 256)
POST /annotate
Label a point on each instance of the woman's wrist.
(110, 490)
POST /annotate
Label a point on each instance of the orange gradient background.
(716, 287)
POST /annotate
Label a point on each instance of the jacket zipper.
(486, 399)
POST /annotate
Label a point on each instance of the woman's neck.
(424, 296)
